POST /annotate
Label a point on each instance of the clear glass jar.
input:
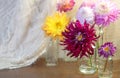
(105, 67)
(87, 65)
(52, 53)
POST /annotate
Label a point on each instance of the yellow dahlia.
(56, 24)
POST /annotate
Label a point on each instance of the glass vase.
(52, 53)
(87, 65)
(100, 34)
(105, 67)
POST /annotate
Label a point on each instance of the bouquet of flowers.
(79, 36)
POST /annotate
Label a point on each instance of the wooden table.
(62, 70)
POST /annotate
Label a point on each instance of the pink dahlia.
(105, 12)
(106, 50)
(65, 5)
(86, 13)
(79, 39)
(87, 3)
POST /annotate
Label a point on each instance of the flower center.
(79, 37)
(66, 6)
(103, 8)
(106, 49)
(58, 25)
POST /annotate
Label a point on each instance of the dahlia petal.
(85, 12)
(82, 47)
(106, 53)
(105, 15)
(52, 28)
(65, 5)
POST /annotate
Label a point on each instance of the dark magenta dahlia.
(79, 39)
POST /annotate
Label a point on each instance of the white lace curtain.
(22, 40)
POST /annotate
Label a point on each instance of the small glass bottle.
(105, 67)
(87, 65)
(52, 53)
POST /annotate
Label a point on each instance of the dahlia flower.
(87, 3)
(56, 24)
(105, 12)
(79, 39)
(65, 5)
(106, 50)
(86, 13)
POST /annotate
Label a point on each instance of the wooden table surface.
(62, 70)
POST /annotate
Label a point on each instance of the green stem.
(105, 64)
(98, 44)
(95, 55)
(101, 35)
(90, 60)
(96, 50)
